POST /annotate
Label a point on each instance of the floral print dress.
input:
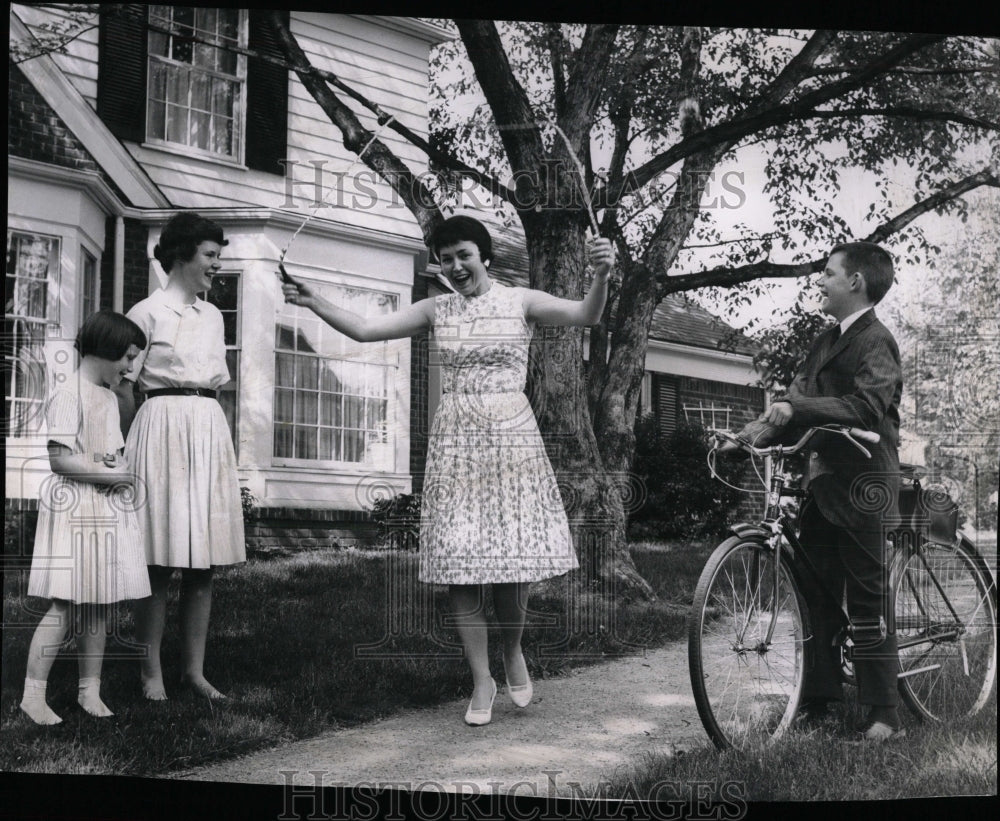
(491, 509)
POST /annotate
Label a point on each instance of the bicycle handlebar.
(853, 435)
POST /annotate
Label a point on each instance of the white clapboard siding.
(79, 63)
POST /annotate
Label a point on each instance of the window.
(31, 303)
(195, 91)
(90, 285)
(331, 395)
(225, 295)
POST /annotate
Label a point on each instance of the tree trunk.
(592, 496)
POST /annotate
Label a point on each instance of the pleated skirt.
(88, 545)
(191, 515)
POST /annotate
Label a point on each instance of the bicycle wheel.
(746, 688)
(946, 626)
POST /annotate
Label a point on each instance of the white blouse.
(186, 344)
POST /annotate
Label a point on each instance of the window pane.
(284, 337)
(158, 80)
(307, 407)
(177, 124)
(283, 441)
(354, 446)
(228, 23)
(354, 409)
(283, 404)
(327, 403)
(201, 91)
(156, 123)
(329, 375)
(159, 43)
(305, 443)
(200, 129)
(306, 370)
(222, 135)
(326, 442)
(284, 370)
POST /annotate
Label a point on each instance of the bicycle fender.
(744, 529)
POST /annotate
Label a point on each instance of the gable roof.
(71, 107)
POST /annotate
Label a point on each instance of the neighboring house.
(106, 142)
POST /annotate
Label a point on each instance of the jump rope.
(595, 228)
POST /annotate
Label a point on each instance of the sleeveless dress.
(88, 545)
(491, 508)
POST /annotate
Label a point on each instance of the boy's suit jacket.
(855, 380)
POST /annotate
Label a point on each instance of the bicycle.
(748, 630)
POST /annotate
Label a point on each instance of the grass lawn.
(303, 645)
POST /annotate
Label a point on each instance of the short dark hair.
(873, 262)
(460, 229)
(182, 236)
(108, 335)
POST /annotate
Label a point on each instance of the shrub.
(682, 497)
(398, 520)
(249, 503)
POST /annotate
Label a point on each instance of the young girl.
(181, 449)
(87, 546)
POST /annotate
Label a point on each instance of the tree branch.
(904, 111)
(512, 112)
(557, 50)
(444, 159)
(378, 157)
(796, 70)
(765, 269)
(744, 125)
(917, 70)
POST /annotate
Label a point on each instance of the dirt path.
(583, 728)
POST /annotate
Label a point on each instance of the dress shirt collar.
(849, 320)
(175, 305)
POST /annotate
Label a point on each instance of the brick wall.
(282, 531)
(136, 263)
(36, 132)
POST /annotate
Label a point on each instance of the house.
(107, 141)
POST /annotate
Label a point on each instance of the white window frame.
(372, 353)
(239, 118)
(238, 348)
(95, 295)
(16, 363)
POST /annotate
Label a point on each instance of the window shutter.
(267, 98)
(121, 71)
(665, 402)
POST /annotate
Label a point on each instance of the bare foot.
(153, 689)
(201, 687)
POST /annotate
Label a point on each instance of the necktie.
(836, 334)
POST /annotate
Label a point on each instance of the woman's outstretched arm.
(400, 324)
(552, 310)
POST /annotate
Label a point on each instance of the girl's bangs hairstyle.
(108, 335)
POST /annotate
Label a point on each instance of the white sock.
(33, 702)
(89, 697)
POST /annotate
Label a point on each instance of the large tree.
(670, 105)
(667, 108)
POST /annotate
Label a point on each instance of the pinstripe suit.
(855, 380)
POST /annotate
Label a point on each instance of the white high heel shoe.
(477, 718)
